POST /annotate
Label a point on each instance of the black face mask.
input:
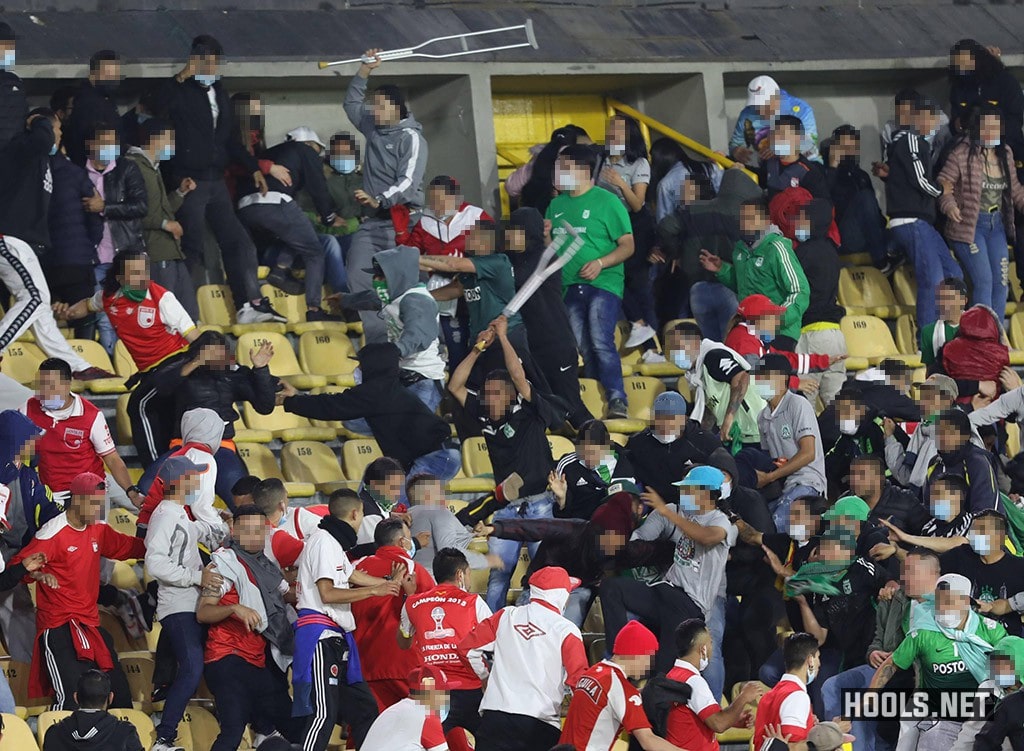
(751, 238)
(107, 88)
(849, 160)
(948, 457)
(255, 122)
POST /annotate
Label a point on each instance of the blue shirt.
(751, 129)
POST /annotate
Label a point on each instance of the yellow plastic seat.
(869, 338)
(259, 460)
(45, 721)
(285, 425)
(124, 365)
(329, 354)
(122, 424)
(856, 259)
(21, 361)
(217, 311)
(144, 725)
(641, 391)
(293, 307)
(592, 395)
(1016, 330)
(123, 520)
(17, 735)
(476, 462)
(202, 725)
(123, 576)
(93, 353)
(560, 446)
(683, 387)
(516, 582)
(658, 369)
(357, 454)
(906, 335)
(312, 462)
(283, 364)
(904, 285)
(245, 434)
(865, 290)
(138, 670)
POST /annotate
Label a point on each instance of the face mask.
(949, 620)
(107, 87)
(8, 59)
(991, 144)
(381, 288)
(765, 390)
(799, 532)
(765, 337)
(207, 79)
(165, 153)
(811, 675)
(687, 503)
(942, 509)
(750, 238)
(616, 149)
(849, 160)
(53, 150)
(980, 544)
(848, 427)
(704, 661)
(52, 405)
(255, 122)
(931, 134)
(442, 713)
(682, 360)
(726, 490)
(782, 148)
(802, 235)
(346, 165)
(1004, 680)
(107, 154)
(141, 117)
(664, 439)
(135, 295)
(566, 182)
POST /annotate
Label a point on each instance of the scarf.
(972, 648)
(343, 534)
(265, 577)
(817, 578)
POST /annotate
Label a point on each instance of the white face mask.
(704, 661)
(799, 532)
(1004, 680)
(566, 182)
(666, 439)
(616, 149)
(949, 620)
(848, 427)
(726, 489)
(812, 673)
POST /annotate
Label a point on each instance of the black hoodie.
(92, 731)
(820, 261)
(401, 423)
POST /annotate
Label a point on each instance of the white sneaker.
(259, 738)
(652, 355)
(249, 313)
(166, 746)
(641, 333)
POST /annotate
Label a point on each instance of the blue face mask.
(682, 360)
(1004, 680)
(207, 79)
(142, 117)
(782, 148)
(442, 713)
(52, 405)
(765, 390)
(980, 544)
(8, 59)
(688, 503)
(166, 152)
(802, 235)
(942, 509)
(108, 154)
(765, 337)
(53, 150)
(346, 165)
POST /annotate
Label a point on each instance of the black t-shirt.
(993, 581)
(518, 442)
(850, 616)
(722, 365)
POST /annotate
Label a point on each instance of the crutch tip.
(321, 65)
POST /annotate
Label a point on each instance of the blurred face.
(390, 487)
(990, 129)
(676, 344)
(637, 666)
(430, 493)
(108, 72)
(963, 62)
(1001, 668)
(570, 176)
(50, 386)
(864, 480)
(101, 145)
(591, 454)
(206, 65)
(441, 202)
(497, 398)
(927, 122)
(944, 501)
(752, 220)
(850, 414)
(611, 542)
(690, 192)
(667, 425)
(437, 700)
(220, 356)
(250, 532)
(951, 608)
(849, 146)
(919, 575)
(343, 149)
(770, 108)
(768, 325)
(515, 240)
(830, 551)
(786, 142)
(802, 525)
(948, 438)
(949, 302)
(136, 274)
(802, 224)
(931, 400)
(384, 111)
(89, 508)
(28, 449)
(771, 385)
(988, 528)
(615, 137)
(162, 142)
(187, 485)
(694, 499)
(480, 241)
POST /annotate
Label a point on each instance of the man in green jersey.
(950, 300)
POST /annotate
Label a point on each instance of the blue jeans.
(108, 337)
(593, 314)
(186, 638)
(428, 392)
(455, 331)
(932, 261)
(6, 697)
(713, 305)
(781, 505)
(576, 608)
(987, 262)
(832, 696)
(443, 464)
(230, 469)
(335, 248)
(715, 672)
(532, 507)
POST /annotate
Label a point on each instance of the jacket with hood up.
(979, 350)
(820, 262)
(92, 730)
(30, 505)
(395, 155)
(401, 423)
(410, 313)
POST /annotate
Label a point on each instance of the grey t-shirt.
(781, 432)
(696, 569)
(632, 172)
(445, 532)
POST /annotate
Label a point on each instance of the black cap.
(957, 419)
(6, 32)
(773, 363)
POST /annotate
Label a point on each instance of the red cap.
(553, 577)
(88, 483)
(430, 678)
(635, 639)
(755, 306)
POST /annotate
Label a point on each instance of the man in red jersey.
(787, 707)
(386, 669)
(69, 639)
(433, 623)
(604, 702)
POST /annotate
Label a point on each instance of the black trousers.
(57, 649)
(152, 419)
(335, 701)
(559, 362)
(464, 711)
(661, 608)
(501, 731)
(245, 693)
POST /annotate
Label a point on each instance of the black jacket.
(975, 465)
(1003, 724)
(746, 570)
(92, 106)
(74, 232)
(1002, 91)
(202, 149)
(585, 489)
(901, 507)
(307, 171)
(910, 191)
(402, 425)
(125, 204)
(13, 106)
(820, 262)
(658, 465)
(92, 731)
(776, 177)
(27, 185)
(845, 181)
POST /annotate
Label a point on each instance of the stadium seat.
(469, 486)
(328, 353)
(592, 395)
(123, 520)
(312, 462)
(560, 446)
(123, 576)
(855, 259)
(93, 353)
(285, 425)
(641, 392)
(683, 387)
(124, 365)
(476, 462)
(356, 455)
(138, 669)
(17, 735)
(144, 726)
(1016, 330)
(293, 307)
(45, 721)
(283, 364)
(864, 290)
(1012, 439)
(244, 434)
(217, 311)
(122, 641)
(260, 461)
(1016, 293)
(17, 674)
(904, 286)
(516, 582)
(869, 338)
(202, 725)
(906, 335)
(122, 425)
(21, 361)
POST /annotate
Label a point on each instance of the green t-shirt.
(929, 339)
(488, 291)
(601, 219)
(938, 664)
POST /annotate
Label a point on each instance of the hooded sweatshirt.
(29, 506)
(979, 350)
(820, 263)
(92, 730)
(410, 312)
(402, 425)
(395, 155)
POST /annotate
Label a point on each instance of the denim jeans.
(335, 248)
(593, 314)
(6, 697)
(713, 305)
(186, 637)
(294, 231)
(987, 262)
(443, 464)
(576, 608)
(715, 672)
(428, 392)
(108, 337)
(781, 505)
(932, 261)
(832, 696)
(455, 331)
(230, 469)
(531, 507)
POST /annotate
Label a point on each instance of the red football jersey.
(604, 703)
(438, 620)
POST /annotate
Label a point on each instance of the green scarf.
(1014, 524)
(135, 295)
(817, 578)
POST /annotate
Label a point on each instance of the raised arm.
(512, 363)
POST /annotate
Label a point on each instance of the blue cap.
(670, 404)
(703, 477)
(176, 467)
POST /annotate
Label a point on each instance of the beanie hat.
(635, 639)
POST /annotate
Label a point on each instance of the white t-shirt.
(406, 726)
(323, 558)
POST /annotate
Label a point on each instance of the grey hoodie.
(204, 426)
(395, 156)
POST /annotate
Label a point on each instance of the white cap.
(305, 133)
(958, 584)
(760, 90)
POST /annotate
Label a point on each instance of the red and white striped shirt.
(604, 703)
(686, 727)
(76, 440)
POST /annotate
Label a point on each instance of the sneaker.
(162, 745)
(261, 312)
(891, 264)
(258, 740)
(285, 282)
(618, 409)
(651, 356)
(641, 333)
(319, 314)
(92, 373)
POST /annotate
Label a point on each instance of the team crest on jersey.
(95, 546)
(586, 213)
(147, 316)
(73, 438)
(439, 631)
(528, 631)
(794, 182)
(591, 688)
(786, 432)
(759, 262)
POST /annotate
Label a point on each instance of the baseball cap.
(755, 306)
(305, 133)
(176, 467)
(623, 486)
(827, 736)
(773, 363)
(635, 639)
(946, 385)
(431, 677)
(553, 577)
(958, 584)
(669, 404)
(702, 477)
(88, 483)
(760, 90)
(850, 506)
